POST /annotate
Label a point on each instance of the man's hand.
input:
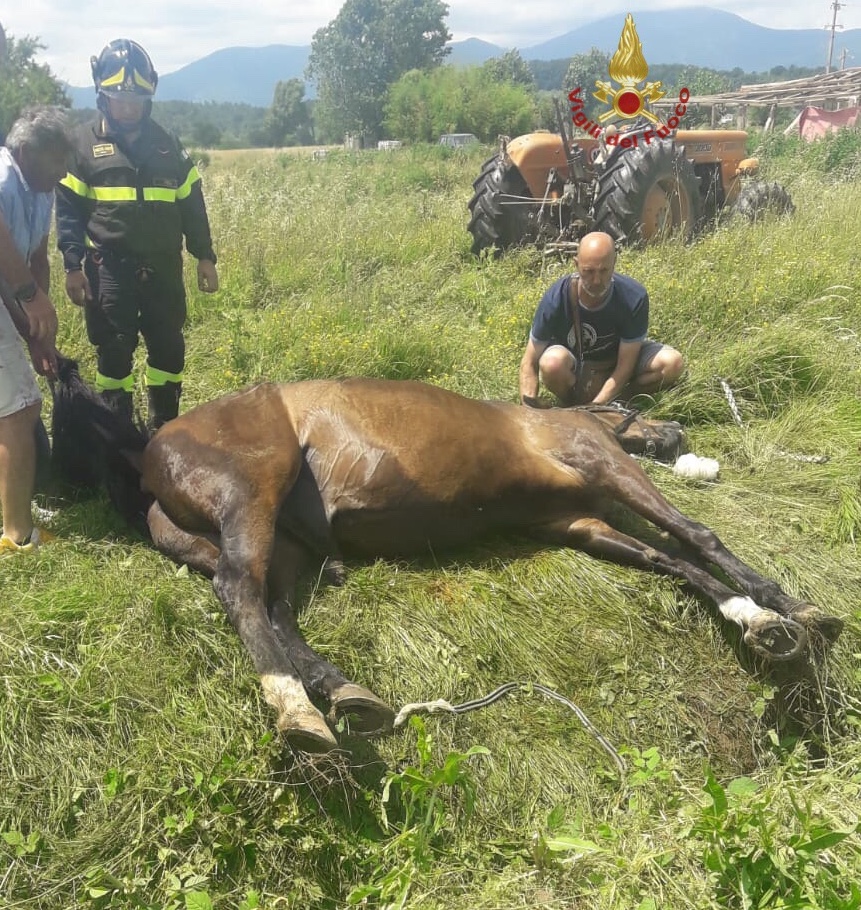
(77, 287)
(41, 318)
(207, 276)
(44, 357)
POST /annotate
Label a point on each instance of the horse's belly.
(398, 532)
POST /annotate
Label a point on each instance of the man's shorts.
(648, 352)
(18, 388)
(596, 372)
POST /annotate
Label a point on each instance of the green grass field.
(139, 767)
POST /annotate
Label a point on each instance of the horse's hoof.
(307, 732)
(775, 637)
(363, 712)
(829, 627)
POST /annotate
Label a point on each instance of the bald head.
(596, 244)
(596, 260)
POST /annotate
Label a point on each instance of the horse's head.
(663, 440)
(95, 446)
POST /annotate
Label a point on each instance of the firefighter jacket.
(135, 202)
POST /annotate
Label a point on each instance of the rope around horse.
(440, 706)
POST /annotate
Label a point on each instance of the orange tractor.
(550, 189)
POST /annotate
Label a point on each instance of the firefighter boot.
(163, 404)
(120, 402)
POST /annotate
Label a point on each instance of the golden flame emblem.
(628, 68)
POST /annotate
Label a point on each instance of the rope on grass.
(440, 706)
(733, 405)
(736, 414)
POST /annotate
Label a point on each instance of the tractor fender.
(536, 153)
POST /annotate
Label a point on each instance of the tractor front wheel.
(499, 208)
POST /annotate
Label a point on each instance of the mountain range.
(700, 36)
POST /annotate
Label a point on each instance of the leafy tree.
(449, 99)
(701, 81)
(497, 108)
(205, 134)
(415, 101)
(23, 81)
(288, 121)
(546, 117)
(549, 74)
(584, 71)
(367, 47)
(237, 123)
(510, 67)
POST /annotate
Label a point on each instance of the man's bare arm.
(529, 371)
(626, 364)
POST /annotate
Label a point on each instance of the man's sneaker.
(38, 537)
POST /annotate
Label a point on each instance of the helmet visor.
(127, 81)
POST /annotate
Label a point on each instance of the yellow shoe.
(38, 537)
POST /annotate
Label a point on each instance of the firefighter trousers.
(128, 300)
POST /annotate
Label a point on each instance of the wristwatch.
(26, 292)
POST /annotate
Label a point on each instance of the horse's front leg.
(361, 709)
(631, 486)
(198, 551)
(775, 637)
(240, 583)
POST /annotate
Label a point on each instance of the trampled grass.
(138, 762)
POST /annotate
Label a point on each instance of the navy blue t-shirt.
(623, 316)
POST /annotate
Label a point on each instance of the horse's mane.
(94, 447)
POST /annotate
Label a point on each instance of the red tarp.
(815, 122)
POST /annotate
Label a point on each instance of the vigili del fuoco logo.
(625, 98)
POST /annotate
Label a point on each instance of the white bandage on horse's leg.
(283, 692)
(743, 611)
(772, 635)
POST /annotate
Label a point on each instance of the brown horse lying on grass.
(247, 488)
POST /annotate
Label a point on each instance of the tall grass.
(138, 767)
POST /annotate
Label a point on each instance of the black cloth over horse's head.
(94, 446)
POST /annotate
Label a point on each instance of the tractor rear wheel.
(759, 199)
(649, 193)
(497, 221)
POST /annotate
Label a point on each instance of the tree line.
(23, 81)
(379, 69)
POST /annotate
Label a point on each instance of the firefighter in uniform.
(131, 195)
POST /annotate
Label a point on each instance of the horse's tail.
(96, 447)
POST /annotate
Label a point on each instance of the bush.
(837, 154)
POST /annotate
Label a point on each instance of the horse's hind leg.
(301, 723)
(363, 711)
(775, 637)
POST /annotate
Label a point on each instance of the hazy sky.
(180, 31)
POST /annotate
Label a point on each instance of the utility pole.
(835, 5)
(843, 55)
